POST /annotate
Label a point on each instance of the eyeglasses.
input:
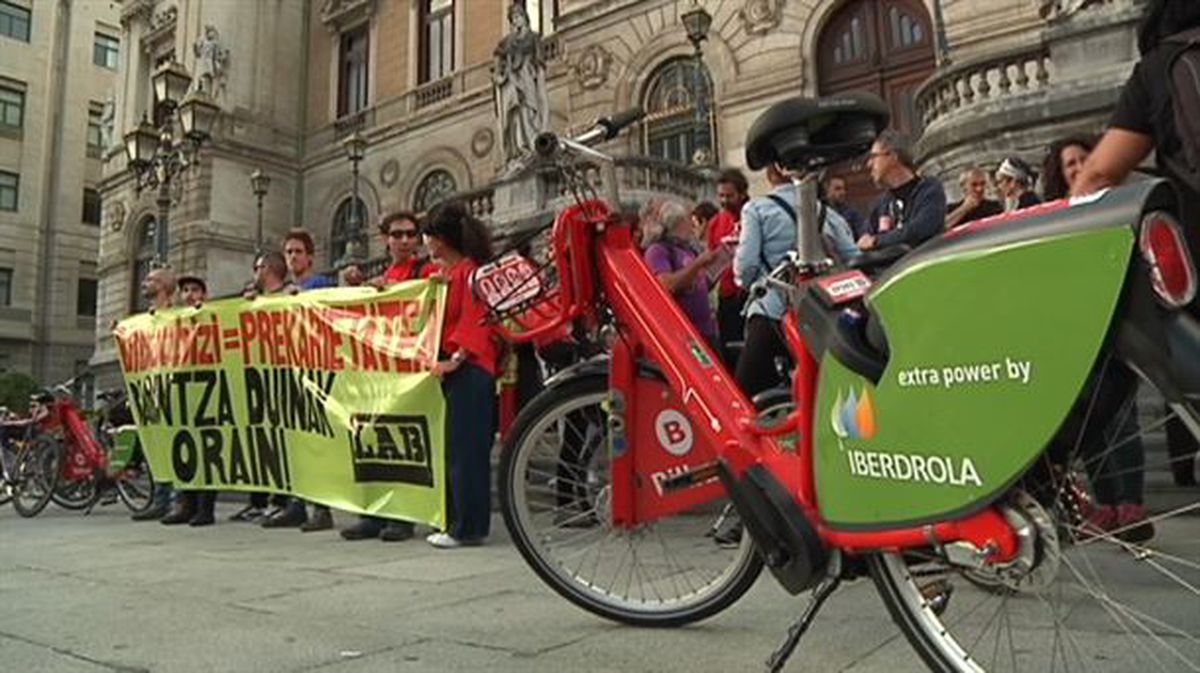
(404, 233)
(872, 155)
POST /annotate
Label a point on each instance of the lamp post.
(356, 147)
(259, 182)
(158, 152)
(697, 21)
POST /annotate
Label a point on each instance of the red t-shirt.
(464, 326)
(407, 270)
(723, 225)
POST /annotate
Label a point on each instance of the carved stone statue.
(519, 89)
(211, 59)
(107, 120)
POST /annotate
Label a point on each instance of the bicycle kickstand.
(821, 592)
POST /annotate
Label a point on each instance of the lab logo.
(674, 432)
(853, 416)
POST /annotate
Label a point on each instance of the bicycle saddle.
(804, 133)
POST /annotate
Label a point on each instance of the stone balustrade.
(963, 88)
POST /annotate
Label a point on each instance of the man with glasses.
(975, 204)
(402, 237)
(913, 210)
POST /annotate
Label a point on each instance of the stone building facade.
(414, 77)
(58, 65)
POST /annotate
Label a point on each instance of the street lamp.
(697, 21)
(355, 147)
(259, 182)
(160, 150)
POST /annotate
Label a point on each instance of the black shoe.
(247, 514)
(320, 520)
(155, 513)
(365, 529)
(202, 519)
(177, 516)
(293, 516)
(396, 531)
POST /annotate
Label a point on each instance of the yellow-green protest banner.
(326, 395)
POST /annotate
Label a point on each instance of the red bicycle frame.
(84, 456)
(597, 260)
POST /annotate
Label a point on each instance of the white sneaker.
(442, 541)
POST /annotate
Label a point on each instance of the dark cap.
(194, 280)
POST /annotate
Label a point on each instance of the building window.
(85, 297)
(91, 206)
(12, 108)
(542, 15)
(142, 259)
(346, 223)
(95, 132)
(6, 277)
(14, 21)
(9, 185)
(437, 39)
(433, 189)
(105, 51)
(352, 71)
(679, 113)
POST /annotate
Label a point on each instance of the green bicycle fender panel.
(989, 351)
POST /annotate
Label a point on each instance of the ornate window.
(437, 39)
(347, 222)
(434, 188)
(679, 122)
(143, 257)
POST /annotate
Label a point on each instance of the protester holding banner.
(298, 250)
(158, 287)
(402, 237)
(270, 277)
(194, 508)
(467, 367)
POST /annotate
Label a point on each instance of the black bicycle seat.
(801, 133)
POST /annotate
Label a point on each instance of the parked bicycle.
(65, 461)
(943, 397)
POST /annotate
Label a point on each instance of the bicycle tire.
(1115, 593)
(37, 466)
(728, 586)
(5, 492)
(76, 495)
(131, 493)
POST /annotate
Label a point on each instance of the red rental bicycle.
(64, 462)
(932, 458)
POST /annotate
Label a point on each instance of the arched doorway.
(884, 47)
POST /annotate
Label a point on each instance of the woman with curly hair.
(1063, 164)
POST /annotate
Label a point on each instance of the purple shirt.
(668, 256)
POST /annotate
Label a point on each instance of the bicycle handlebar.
(606, 128)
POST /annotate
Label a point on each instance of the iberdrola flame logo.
(854, 416)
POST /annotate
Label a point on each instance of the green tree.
(15, 389)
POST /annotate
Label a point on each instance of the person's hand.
(250, 292)
(378, 282)
(971, 202)
(867, 242)
(353, 275)
(292, 289)
(444, 367)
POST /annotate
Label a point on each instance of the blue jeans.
(470, 430)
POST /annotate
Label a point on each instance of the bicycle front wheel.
(35, 476)
(135, 486)
(555, 494)
(1092, 593)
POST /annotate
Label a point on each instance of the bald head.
(159, 287)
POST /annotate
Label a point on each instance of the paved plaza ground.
(101, 593)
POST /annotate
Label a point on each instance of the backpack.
(786, 207)
(1183, 83)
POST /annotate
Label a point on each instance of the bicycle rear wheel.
(1097, 597)
(35, 476)
(78, 494)
(555, 495)
(135, 486)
